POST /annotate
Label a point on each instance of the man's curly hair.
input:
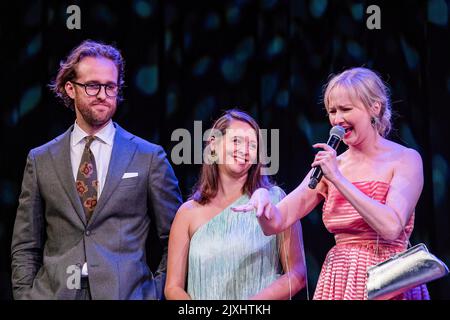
(67, 68)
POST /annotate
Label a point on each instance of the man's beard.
(92, 117)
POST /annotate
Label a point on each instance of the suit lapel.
(121, 155)
(60, 153)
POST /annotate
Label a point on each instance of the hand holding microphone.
(325, 161)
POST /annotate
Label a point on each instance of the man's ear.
(70, 89)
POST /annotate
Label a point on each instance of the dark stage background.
(189, 60)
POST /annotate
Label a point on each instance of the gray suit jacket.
(51, 233)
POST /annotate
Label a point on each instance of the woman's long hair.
(207, 186)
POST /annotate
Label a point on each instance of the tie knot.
(89, 140)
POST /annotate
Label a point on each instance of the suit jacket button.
(87, 233)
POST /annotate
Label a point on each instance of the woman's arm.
(178, 251)
(297, 204)
(292, 260)
(388, 219)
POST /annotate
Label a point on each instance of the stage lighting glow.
(298, 85)
(233, 15)
(411, 55)
(283, 99)
(187, 40)
(269, 87)
(438, 12)
(35, 45)
(143, 8)
(7, 194)
(104, 14)
(245, 49)
(30, 100)
(201, 66)
(275, 46)
(408, 137)
(268, 4)
(205, 108)
(440, 178)
(304, 126)
(212, 21)
(147, 79)
(172, 103)
(318, 7)
(357, 11)
(232, 70)
(355, 50)
(167, 40)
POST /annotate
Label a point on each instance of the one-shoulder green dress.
(230, 258)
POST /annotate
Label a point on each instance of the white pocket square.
(127, 175)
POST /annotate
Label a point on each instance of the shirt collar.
(105, 135)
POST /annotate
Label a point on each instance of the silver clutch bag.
(402, 272)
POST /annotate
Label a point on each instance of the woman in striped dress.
(370, 190)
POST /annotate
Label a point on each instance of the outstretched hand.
(260, 201)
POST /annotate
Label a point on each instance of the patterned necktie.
(87, 183)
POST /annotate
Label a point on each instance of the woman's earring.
(213, 157)
(373, 121)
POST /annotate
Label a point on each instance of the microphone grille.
(337, 131)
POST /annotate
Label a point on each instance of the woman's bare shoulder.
(403, 154)
(188, 208)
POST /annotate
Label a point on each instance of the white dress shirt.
(101, 147)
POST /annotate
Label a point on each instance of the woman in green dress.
(215, 253)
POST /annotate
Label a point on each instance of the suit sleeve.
(28, 235)
(166, 198)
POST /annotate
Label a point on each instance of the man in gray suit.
(88, 196)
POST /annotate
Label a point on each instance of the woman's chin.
(348, 139)
(240, 168)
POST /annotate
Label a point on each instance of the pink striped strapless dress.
(344, 272)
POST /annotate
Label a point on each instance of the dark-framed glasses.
(93, 89)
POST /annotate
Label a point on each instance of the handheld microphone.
(336, 134)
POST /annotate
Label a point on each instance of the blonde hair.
(366, 86)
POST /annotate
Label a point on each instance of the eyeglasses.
(93, 89)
